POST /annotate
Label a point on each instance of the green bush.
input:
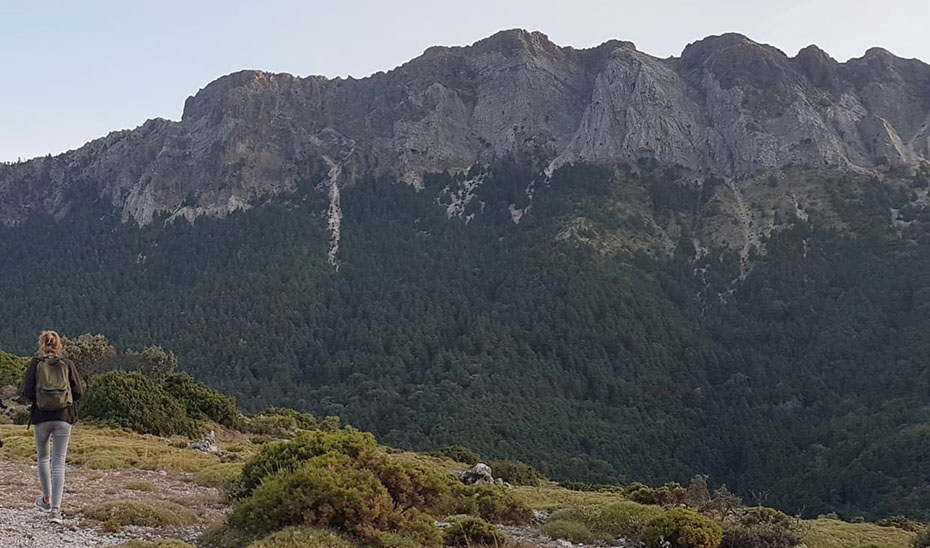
(574, 531)
(289, 455)
(12, 369)
(592, 487)
(412, 525)
(409, 484)
(670, 494)
(202, 402)
(147, 513)
(136, 402)
(516, 472)
(472, 531)
(458, 453)
(350, 487)
(301, 537)
(901, 522)
(491, 502)
(325, 491)
(280, 422)
(922, 540)
(622, 519)
(761, 528)
(682, 528)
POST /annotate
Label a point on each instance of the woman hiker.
(52, 384)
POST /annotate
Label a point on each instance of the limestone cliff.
(728, 106)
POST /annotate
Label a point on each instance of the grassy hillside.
(108, 451)
(288, 479)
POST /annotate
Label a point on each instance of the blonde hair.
(49, 343)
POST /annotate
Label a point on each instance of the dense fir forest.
(804, 386)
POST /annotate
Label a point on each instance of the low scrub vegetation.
(224, 477)
(682, 528)
(288, 456)
(516, 472)
(136, 402)
(625, 519)
(279, 422)
(761, 528)
(12, 369)
(573, 531)
(472, 531)
(147, 513)
(458, 453)
(490, 502)
(296, 537)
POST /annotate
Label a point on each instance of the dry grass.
(109, 449)
(549, 496)
(221, 476)
(147, 513)
(831, 533)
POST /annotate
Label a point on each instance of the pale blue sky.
(73, 71)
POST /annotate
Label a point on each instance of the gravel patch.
(24, 526)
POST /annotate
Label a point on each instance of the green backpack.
(53, 384)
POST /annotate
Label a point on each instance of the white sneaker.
(54, 516)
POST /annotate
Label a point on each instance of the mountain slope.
(574, 340)
(605, 264)
(727, 106)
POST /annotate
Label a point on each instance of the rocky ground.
(24, 526)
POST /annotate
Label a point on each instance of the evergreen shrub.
(300, 537)
(134, 401)
(490, 502)
(621, 519)
(458, 453)
(922, 540)
(146, 513)
(289, 455)
(12, 369)
(682, 528)
(332, 490)
(280, 422)
(573, 531)
(472, 531)
(409, 484)
(516, 472)
(670, 494)
(761, 528)
(202, 402)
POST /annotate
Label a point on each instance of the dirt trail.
(24, 526)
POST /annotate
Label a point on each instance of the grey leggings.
(53, 482)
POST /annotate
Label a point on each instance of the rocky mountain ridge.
(727, 106)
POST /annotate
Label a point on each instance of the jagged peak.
(818, 66)
(516, 40)
(879, 53)
(814, 51)
(242, 78)
(700, 51)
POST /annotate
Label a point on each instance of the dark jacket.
(68, 414)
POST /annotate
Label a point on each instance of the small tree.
(697, 495)
(88, 352)
(158, 363)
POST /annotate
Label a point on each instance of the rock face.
(727, 106)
